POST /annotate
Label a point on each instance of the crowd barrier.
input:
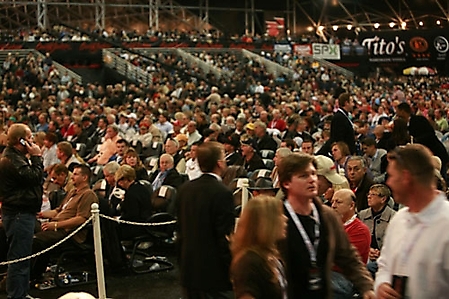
(95, 218)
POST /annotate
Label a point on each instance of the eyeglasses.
(375, 194)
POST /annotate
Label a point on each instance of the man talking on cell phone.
(21, 196)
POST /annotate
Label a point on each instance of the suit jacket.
(205, 219)
(381, 224)
(173, 178)
(361, 192)
(341, 130)
(377, 165)
(423, 133)
(266, 142)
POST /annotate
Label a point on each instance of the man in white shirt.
(192, 167)
(415, 255)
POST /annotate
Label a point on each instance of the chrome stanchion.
(244, 184)
(98, 251)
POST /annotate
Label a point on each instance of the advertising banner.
(326, 51)
(304, 50)
(420, 47)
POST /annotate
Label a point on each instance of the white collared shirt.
(416, 245)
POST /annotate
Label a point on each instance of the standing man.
(342, 128)
(413, 262)
(21, 196)
(206, 219)
(316, 239)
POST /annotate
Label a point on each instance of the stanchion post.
(98, 251)
(244, 185)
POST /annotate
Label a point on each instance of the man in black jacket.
(422, 132)
(342, 128)
(206, 219)
(21, 196)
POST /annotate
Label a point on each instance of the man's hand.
(369, 295)
(385, 291)
(374, 254)
(33, 149)
(51, 226)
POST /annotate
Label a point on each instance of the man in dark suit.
(263, 140)
(342, 128)
(166, 174)
(205, 220)
(422, 132)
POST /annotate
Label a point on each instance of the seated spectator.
(164, 125)
(343, 202)
(79, 135)
(74, 210)
(166, 174)
(108, 192)
(359, 180)
(172, 148)
(329, 180)
(132, 159)
(192, 133)
(377, 217)
(263, 140)
(135, 206)
(122, 147)
(232, 154)
(182, 144)
(340, 153)
(192, 167)
(144, 136)
(49, 155)
(64, 152)
(307, 147)
(376, 159)
(277, 122)
(61, 176)
(251, 159)
(281, 153)
(108, 148)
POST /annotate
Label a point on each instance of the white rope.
(49, 248)
(138, 223)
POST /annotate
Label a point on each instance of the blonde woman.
(256, 268)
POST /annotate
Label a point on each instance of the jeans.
(372, 268)
(19, 229)
(341, 287)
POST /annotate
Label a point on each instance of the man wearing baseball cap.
(328, 179)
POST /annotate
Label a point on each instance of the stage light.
(320, 28)
(310, 28)
(392, 24)
(438, 22)
(403, 25)
(335, 27)
(421, 23)
(349, 27)
(376, 25)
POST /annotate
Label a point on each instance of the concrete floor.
(158, 285)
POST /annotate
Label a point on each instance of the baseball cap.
(326, 167)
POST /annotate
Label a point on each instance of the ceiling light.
(421, 23)
(392, 24)
(349, 27)
(335, 27)
(376, 25)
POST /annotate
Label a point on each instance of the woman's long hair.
(132, 153)
(258, 228)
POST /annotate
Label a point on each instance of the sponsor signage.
(304, 50)
(422, 47)
(326, 51)
(282, 48)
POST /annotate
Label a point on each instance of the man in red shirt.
(343, 202)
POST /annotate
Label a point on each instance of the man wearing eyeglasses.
(413, 262)
(377, 217)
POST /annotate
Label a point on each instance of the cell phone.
(23, 142)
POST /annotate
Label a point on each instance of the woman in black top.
(132, 159)
(256, 269)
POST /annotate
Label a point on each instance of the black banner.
(405, 47)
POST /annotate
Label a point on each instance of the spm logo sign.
(326, 51)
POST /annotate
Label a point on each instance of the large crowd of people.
(335, 150)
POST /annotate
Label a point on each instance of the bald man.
(343, 202)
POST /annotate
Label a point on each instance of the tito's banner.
(406, 46)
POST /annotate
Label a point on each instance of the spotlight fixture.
(335, 27)
(421, 23)
(349, 26)
(376, 25)
(392, 24)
